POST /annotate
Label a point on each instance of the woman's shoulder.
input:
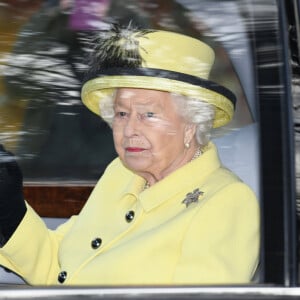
(226, 186)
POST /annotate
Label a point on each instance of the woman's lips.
(134, 149)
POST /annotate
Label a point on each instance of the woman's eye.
(149, 114)
(121, 114)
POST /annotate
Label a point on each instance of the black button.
(96, 243)
(129, 216)
(62, 276)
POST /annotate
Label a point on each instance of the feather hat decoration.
(154, 59)
(116, 48)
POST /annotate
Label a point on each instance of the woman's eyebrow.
(150, 104)
(119, 105)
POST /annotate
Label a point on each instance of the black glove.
(12, 204)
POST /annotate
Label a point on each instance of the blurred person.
(166, 211)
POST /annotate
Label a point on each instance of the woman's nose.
(131, 127)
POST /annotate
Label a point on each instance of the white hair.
(198, 112)
(106, 106)
(194, 111)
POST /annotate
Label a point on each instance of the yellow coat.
(213, 239)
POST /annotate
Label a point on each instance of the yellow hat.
(156, 60)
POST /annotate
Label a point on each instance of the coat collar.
(185, 178)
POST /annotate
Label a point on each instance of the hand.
(12, 204)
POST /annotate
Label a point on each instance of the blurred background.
(42, 60)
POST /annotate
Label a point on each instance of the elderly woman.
(165, 211)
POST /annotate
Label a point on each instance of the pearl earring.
(187, 145)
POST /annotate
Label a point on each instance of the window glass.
(42, 64)
(58, 140)
(43, 54)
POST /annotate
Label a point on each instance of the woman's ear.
(189, 133)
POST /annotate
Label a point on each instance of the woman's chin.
(137, 164)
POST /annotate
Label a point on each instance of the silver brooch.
(192, 197)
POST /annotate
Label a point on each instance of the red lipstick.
(134, 149)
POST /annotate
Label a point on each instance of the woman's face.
(149, 134)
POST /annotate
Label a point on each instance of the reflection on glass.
(43, 62)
